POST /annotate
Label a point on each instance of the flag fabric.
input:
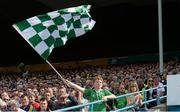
(53, 29)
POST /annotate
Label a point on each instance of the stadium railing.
(121, 109)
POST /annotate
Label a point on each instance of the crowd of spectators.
(44, 91)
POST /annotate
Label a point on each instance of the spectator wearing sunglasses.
(122, 101)
(150, 94)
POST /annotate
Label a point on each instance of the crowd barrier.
(121, 109)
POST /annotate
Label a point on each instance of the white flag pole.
(56, 72)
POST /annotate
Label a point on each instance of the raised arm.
(105, 98)
(75, 86)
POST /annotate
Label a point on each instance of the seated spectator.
(161, 90)
(150, 94)
(36, 93)
(88, 84)
(81, 100)
(15, 106)
(122, 101)
(25, 104)
(78, 96)
(164, 82)
(5, 97)
(43, 105)
(3, 106)
(47, 96)
(41, 93)
(134, 99)
(50, 90)
(32, 102)
(62, 101)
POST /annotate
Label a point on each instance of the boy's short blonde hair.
(98, 77)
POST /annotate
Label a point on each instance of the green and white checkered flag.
(53, 29)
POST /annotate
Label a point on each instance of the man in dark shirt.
(64, 101)
(44, 105)
(25, 103)
(50, 90)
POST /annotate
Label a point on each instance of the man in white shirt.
(160, 90)
(15, 106)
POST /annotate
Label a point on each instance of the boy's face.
(98, 84)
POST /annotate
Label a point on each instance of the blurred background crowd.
(30, 91)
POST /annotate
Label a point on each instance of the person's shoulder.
(21, 110)
(89, 89)
(105, 90)
(35, 103)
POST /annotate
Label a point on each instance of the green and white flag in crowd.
(53, 29)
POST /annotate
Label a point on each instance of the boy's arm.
(75, 86)
(105, 98)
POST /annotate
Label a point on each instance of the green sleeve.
(107, 92)
(87, 93)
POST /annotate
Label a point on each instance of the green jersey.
(93, 95)
(120, 102)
